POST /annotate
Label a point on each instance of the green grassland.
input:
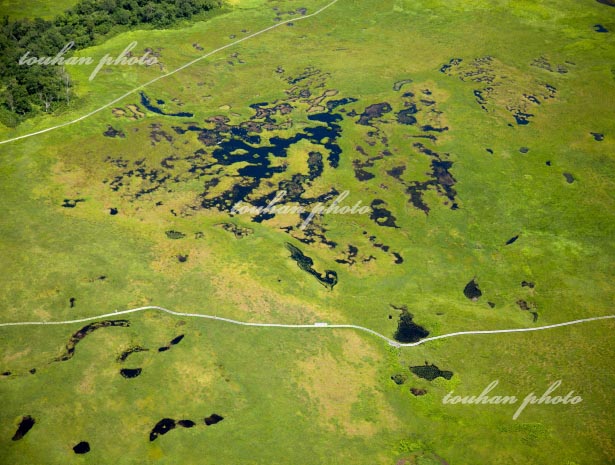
(34, 8)
(322, 396)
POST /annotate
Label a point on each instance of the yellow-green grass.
(285, 399)
(15, 9)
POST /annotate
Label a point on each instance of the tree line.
(28, 90)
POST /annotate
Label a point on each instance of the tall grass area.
(320, 396)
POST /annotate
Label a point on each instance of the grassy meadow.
(291, 396)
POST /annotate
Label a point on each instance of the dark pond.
(304, 262)
(599, 137)
(522, 118)
(111, 132)
(351, 256)
(381, 215)
(363, 175)
(325, 117)
(162, 427)
(213, 419)
(175, 235)
(130, 372)
(430, 372)
(83, 332)
(333, 104)
(523, 305)
(26, 424)
(124, 355)
(471, 291)
(512, 240)
(315, 165)
(441, 179)
(377, 110)
(408, 330)
(406, 116)
(429, 127)
(397, 171)
(145, 101)
(71, 203)
(82, 448)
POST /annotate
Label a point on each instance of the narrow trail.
(190, 63)
(319, 325)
